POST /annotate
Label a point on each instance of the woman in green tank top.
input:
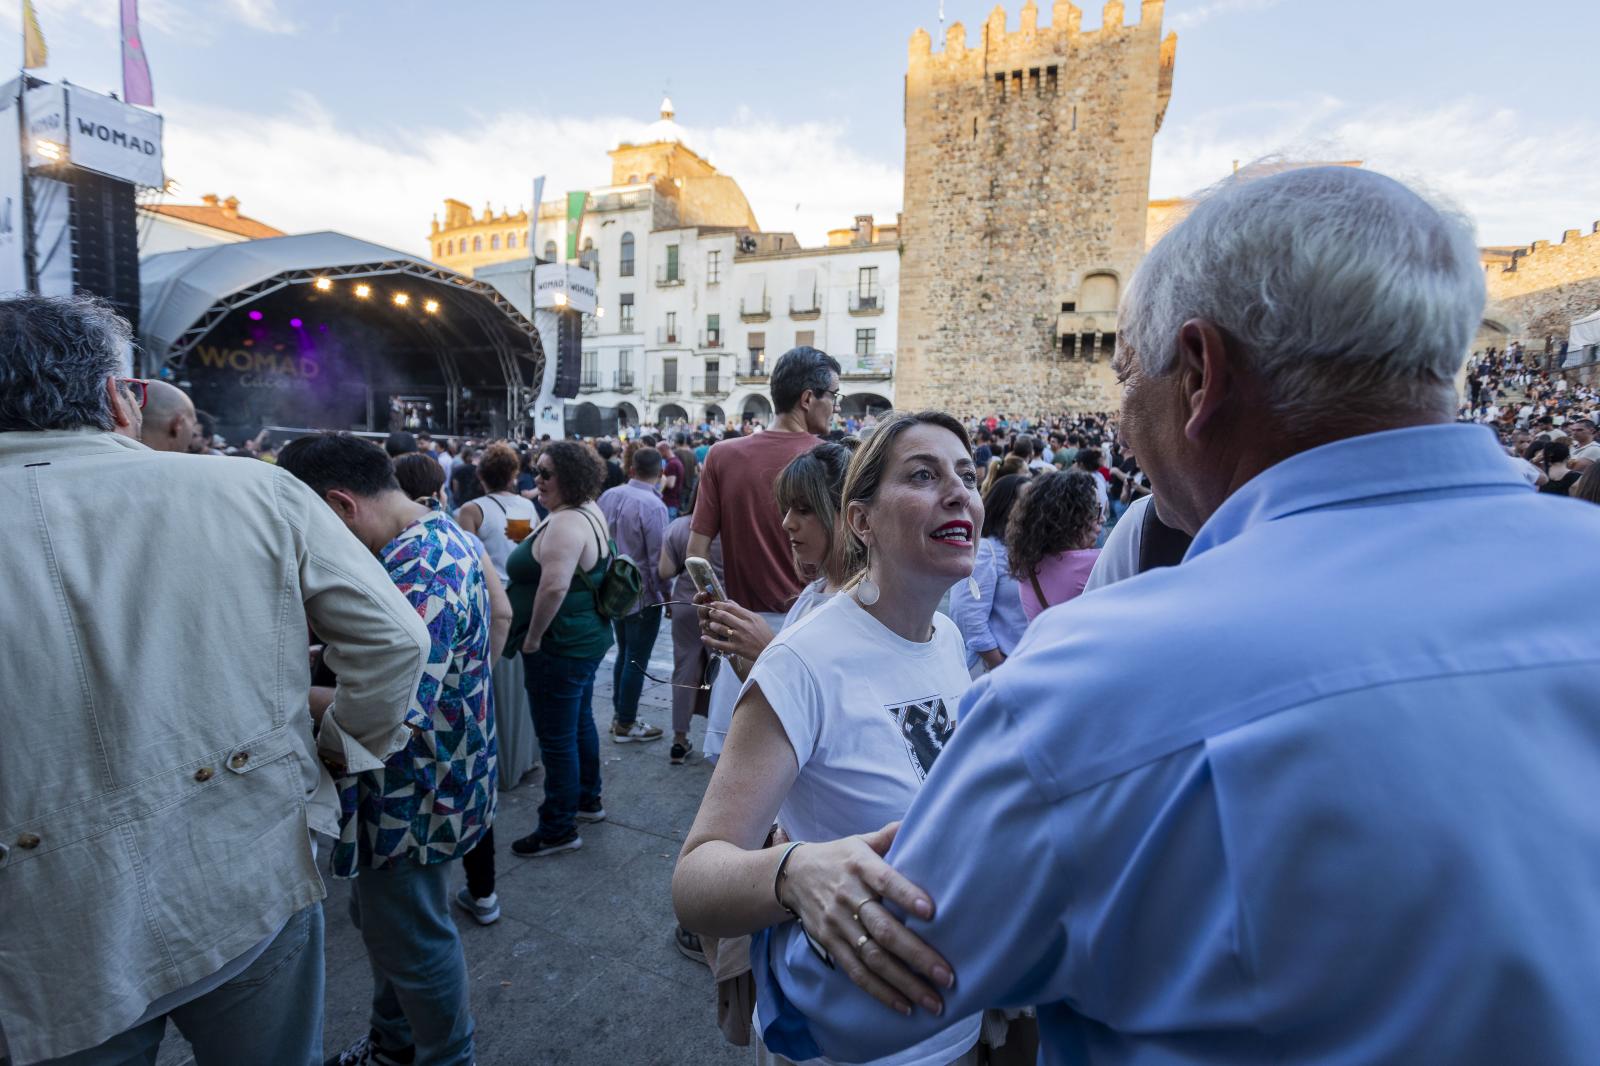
(556, 622)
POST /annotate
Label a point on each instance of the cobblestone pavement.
(581, 968)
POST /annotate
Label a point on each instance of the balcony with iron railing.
(666, 336)
(866, 301)
(758, 310)
(666, 384)
(711, 385)
(711, 338)
(589, 381)
(591, 325)
(625, 381)
(869, 366)
(805, 306)
(751, 371)
(667, 276)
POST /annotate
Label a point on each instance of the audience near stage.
(1154, 734)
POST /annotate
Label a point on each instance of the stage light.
(256, 316)
(560, 299)
(432, 307)
(50, 151)
(322, 284)
(401, 299)
(295, 323)
(599, 312)
(363, 291)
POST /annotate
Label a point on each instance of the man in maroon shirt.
(672, 485)
(735, 501)
(735, 498)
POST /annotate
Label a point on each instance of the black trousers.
(479, 865)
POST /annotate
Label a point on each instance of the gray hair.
(1342, 287)
(55, 355)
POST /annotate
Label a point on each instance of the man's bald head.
(169, 421)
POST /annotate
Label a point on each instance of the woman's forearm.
(722, 890)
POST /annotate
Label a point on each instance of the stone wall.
(1544, 287)
(1027, 171)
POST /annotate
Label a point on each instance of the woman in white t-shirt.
(838, 724)
(502, 518)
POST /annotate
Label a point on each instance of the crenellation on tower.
(1026, 182)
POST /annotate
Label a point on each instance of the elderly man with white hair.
(1321, 804)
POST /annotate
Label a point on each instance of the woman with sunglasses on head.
(554, 577)
(841, 718)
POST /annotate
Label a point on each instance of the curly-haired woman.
(1050, 538)
(563, 638)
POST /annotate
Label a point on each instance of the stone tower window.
(450, 247)
(477, 244)
(1098, 293)
(625, 267)
(1051, 81)
(494, 242)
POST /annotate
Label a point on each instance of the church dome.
(662, 129)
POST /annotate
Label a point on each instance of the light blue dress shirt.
(995, 618)
(1327, 792)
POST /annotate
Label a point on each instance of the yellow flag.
(35, 53)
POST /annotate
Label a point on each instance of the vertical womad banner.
(13, 265)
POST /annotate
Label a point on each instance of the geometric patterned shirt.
(434, 797)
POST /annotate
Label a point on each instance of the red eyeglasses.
(138, 388)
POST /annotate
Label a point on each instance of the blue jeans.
(419, 973)
(561, 694)
(636, 637)
(276, 1001)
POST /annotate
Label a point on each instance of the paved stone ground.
(581, 968)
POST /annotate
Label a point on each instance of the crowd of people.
(1190, 733)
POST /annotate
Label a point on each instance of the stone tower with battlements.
(1027, 184)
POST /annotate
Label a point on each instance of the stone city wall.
(1545, 287)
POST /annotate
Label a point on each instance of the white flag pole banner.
(13, 267)
(114, 138)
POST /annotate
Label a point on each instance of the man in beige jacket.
(159, 777)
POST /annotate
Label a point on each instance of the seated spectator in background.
(1050, 538)
(1585, 449)
(169, 419)
(404, 825)
(1305, 795)
(159, 777)
(1558, 476)
(988, 606)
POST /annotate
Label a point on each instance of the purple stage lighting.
(256, 316)
(295, 323)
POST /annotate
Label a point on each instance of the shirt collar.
(635, 483)
(62, 443)
(1426, 460)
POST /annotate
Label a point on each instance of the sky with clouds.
(363, 115)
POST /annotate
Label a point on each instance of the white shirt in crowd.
(499, 508)
(866, 712)
(726, 686)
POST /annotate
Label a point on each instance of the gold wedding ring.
(857, 908)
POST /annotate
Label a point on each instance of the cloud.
(261, 15)
(1521, 177)
(1189, 18)
(301, 169)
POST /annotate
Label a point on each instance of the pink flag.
(136, 87)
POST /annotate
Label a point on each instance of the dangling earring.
(866, 588)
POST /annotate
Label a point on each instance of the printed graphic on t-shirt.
(924, 726)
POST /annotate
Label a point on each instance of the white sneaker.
(485, 911)
(636, 733)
